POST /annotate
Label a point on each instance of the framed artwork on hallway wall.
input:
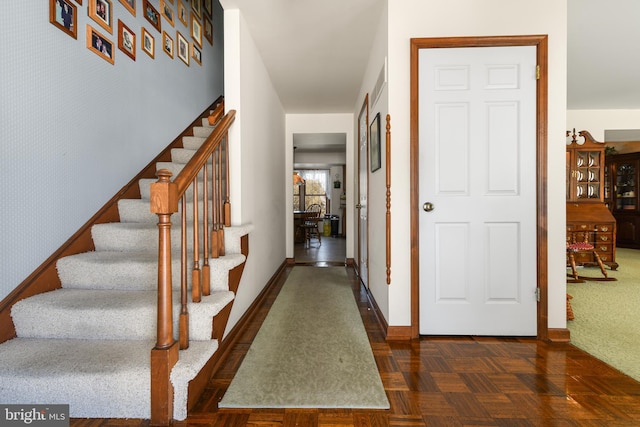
(126, 40)
(101, 11)
(374, 138)
(182, 13)
(152, 15)
(167, 44)
(130, 5)
(63, 14)
(196, 30)
(99, 44)
(182, 47)
(148, 43)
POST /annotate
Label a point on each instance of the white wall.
(257, 156)
(75, 128)
(317, 123)
(597, 121)
(377, 199)
(440, 18)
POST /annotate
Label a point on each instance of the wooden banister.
(166, 195)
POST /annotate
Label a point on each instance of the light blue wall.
(74, 128)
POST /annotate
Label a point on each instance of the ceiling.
(316, 51)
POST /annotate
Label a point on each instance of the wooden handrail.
(166, 196)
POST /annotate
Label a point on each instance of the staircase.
(88, 344)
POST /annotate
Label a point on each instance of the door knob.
(428, 207)
(358, 206)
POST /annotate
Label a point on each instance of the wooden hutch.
(621, 195)
(587, 214)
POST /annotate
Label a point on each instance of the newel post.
(164, 202)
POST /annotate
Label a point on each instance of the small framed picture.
(374, 138)
(126, 40)
(208, 30)
(152, 15)
(207, 6)
(166, 11)
(182, 13)
(63, 14)
(148, 43)
(130, 5)
(182, 47)
(196, 54)
(99, 44)
(167, 44)
(101, 12)
(196, 5)
(196, 30)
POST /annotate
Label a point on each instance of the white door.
(477, 136)
(361, 211)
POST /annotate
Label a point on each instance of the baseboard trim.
(559, 335)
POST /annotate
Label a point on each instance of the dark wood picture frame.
(208, 30)
(130, 5)
(374, 143)
(100, 45)
(196, 5)
(152, 15)
(66, 19)
(126, 40)
(207, 7)
(148, 43)
(101, 11)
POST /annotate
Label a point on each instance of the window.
(314, 189)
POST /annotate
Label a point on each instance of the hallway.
(332, 250)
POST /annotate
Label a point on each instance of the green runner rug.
(312, 350)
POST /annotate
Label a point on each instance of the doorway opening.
(319, 166)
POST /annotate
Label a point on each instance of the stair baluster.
(164, 201)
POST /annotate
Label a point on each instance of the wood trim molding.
(388, 177)
(541, 44)
(559, 335)
(399, 333)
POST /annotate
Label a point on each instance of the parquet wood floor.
(444, 381)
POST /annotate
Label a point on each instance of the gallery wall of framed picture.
(183, 26)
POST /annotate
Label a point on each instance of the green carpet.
(607, 314)
(312, 350)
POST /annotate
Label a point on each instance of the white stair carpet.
(88, 344)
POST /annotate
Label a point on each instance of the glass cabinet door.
(625, 186)
(587, 175)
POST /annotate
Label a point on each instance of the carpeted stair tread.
(173, 167)
(192, 142)
(145, 188)
(139, 236)
(98, 379)
(181, 155)
(202, 131)
(120, 270)
(108, 315)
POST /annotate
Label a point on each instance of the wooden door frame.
(541, 44)
(363, 110)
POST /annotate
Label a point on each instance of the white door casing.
(477, 167)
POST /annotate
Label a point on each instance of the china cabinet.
(588, 218)
(622, 199)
